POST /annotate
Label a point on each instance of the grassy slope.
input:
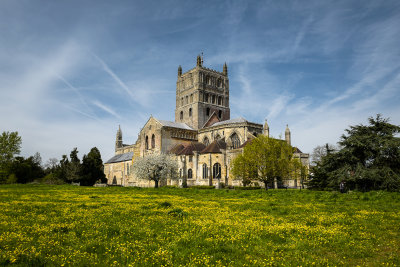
(57, 225)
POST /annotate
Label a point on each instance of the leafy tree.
(92, 168)
(268, 159)
(244, 170)
(155, 168)
(73, 168)
(369, 159)
(10, 145)
(27, 170)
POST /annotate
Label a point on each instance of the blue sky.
(72, 71)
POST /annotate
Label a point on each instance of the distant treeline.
(16, 169)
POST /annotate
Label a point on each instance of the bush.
(11, 179)
(51, 179)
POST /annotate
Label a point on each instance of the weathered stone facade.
(203, 138)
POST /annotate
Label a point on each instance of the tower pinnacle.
(287, 135)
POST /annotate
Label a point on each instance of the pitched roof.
(297, 150)
(172, 124)
(236, 120)
(211, 120)
(193, 146)
(176, 149)
(121, 157)
(214, 147)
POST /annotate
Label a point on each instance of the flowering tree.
(155, 168)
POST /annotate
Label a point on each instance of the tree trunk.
(266, 185)
(155, 183)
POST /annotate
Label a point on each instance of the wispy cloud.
(114, 76)
(106, 109)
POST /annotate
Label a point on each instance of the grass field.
(67, 225)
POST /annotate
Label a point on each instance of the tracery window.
(235, 140)
(190, 174)
(153, 141)
(205, 171)
(217, 170)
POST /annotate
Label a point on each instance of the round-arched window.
(217, 170)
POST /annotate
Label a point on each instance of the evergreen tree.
(369, 159)
(92, 168)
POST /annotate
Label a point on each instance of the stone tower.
(287, 135)
(266, 128)
(118, 139)
(200, 92)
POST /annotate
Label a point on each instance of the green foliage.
(26, 169)
(369, 159)
(51, 179)
(92, 168)
(12, 179)
(264, 159)
(10, 145)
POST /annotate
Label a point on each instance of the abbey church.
(203, 138)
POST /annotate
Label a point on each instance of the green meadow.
(43, 225)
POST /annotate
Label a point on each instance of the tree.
(266, 158)
(73, 167)
(92, 168)
(27, 169)
(321, 151)
(10, 145)
(369, 159)
(155, 168)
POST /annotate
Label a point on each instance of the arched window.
(206, 98)
(190, 175)
(191, 98)
(146, 145)
(213, 99)
(220, 114)
(186, 99)
(207, 79)
(205, 171)
(208, 112)
(219, 100)
(182, 101)
(190, 112)
(114, 180)
(235, 140)
(181, 115)
(217, 170)
(206, 142)
(153, 141)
